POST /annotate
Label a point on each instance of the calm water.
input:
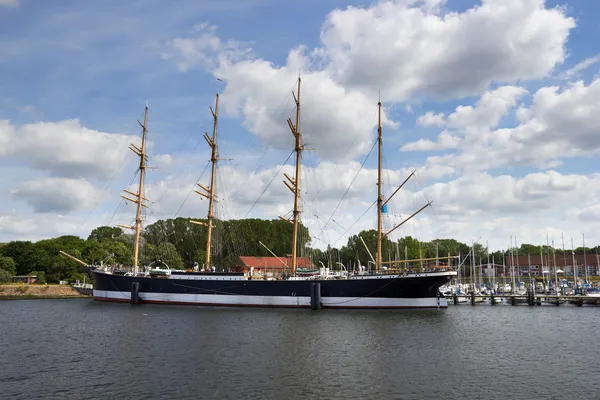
(83, 349)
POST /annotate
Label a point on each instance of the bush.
(77, 277)
(5, 276)
(8, 264)
(41, 277)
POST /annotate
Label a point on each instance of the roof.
(273, 262)
(562, 260)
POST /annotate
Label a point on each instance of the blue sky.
(99, 62)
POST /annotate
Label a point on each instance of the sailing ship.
(380, 288)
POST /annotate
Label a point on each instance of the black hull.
(232, 290)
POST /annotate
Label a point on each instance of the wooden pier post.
(473, 298)
(493, 298)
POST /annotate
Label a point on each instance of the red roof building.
(273, 265)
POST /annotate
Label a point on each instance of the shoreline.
(35, 291)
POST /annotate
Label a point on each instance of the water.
(85, 349)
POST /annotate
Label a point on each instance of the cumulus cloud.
(487, 111)
(445, 141)
(417, 48)
(431, 119)
(57, 195)
(495, 207)
(560, 123)
(65, 148)
(473, 205)
(498, 43)
(484, 193)
(335, 121)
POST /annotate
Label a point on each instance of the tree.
(167, 253)
(529, 249)
(41, 276)
(103, 233)
(8, 264)
(23, 254)
(5, 276)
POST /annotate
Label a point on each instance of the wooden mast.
(379, 191)
(294, 183)
(213, 160)
(138, 198)
(209, 192)
(380, 201)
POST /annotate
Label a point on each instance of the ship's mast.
(380, 201)
(209, 192)
(379, 191)
(294, 183)
(138, 198)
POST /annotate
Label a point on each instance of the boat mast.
(584, 259)
(213, 159)
(379, 190)
(138, 197)
(209, 192)
(294, 183)
(298, 150)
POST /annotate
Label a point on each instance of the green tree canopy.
(8, 264)
(105, 233)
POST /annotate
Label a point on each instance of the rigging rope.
(348, 189)
(267, 187)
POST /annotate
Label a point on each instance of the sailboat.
(377, 289)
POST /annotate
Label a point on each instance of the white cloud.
(161, 160)
(19, 226)
(581, 66)
(482, 193)
(498, 43)
(588, 214)
(406, 48)
(445, 141)
(558, 125)
(333, 118)
(335, 121)
(489, 109)
(431, 119)
(65, 148)
(473, 123)
(204, 49)
(496, 207)
(57, 195)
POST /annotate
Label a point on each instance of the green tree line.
(180, 244)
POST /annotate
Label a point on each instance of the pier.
(530, 298)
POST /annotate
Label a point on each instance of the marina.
(530, 299)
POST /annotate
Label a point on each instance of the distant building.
(491, 269)
(563, 263)
(271, 266)
(25, 279)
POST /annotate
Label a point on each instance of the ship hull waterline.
(363, 292)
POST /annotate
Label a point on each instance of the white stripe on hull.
(273, 301)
